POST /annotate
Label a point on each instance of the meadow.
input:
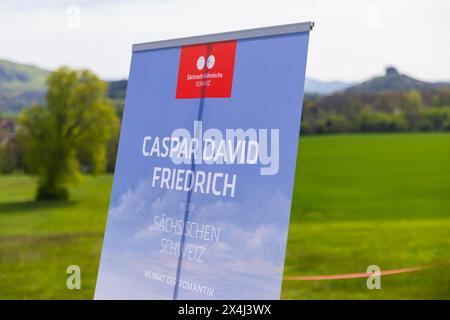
(359, 200)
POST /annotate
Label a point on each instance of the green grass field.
(358, 200)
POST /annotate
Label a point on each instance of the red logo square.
(206, 70)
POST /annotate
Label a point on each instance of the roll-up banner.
(205, 169)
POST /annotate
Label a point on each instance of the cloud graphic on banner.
(248, 246)
(260, 236)
(133, 201)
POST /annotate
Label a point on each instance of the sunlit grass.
(358, 200)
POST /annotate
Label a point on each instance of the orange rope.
(354, 275)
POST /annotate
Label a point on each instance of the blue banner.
(204, 175)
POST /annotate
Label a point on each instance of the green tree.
(70, 133)
(412, 106)
(333, 123)
(435, 119)
(380, 122)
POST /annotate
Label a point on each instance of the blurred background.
(372, 181)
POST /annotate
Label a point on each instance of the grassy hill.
(20, 86)
(358, 200)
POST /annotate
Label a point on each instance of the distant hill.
(20, 86)
(314, 86)
(394, 81)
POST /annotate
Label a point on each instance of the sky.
(352, 39)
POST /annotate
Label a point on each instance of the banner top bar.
(225, 36)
